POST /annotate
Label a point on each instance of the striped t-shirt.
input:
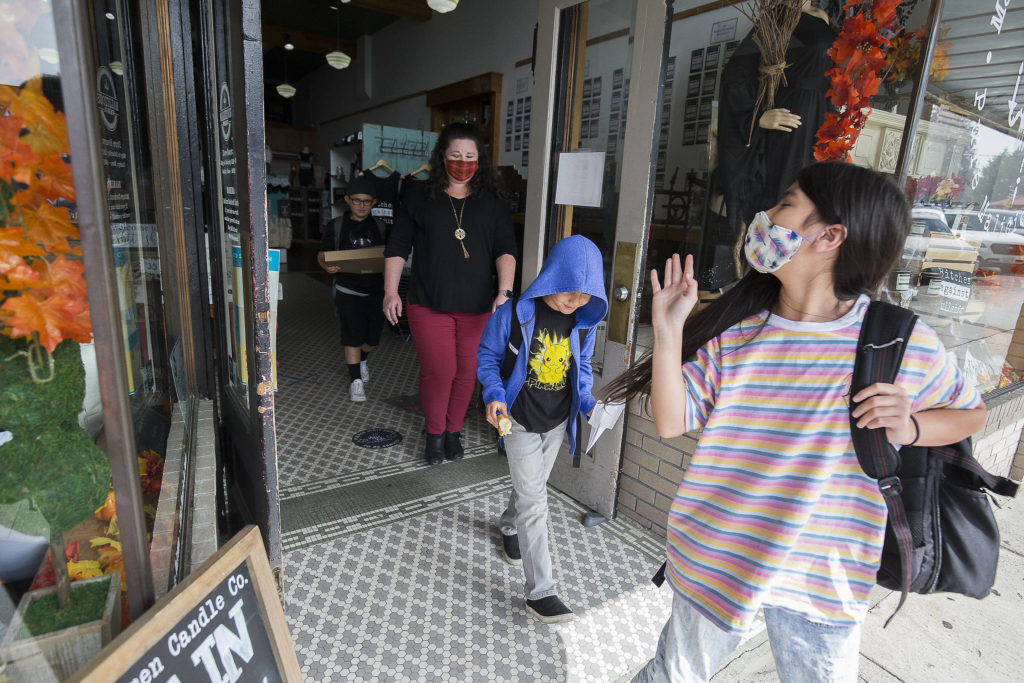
(774, 508)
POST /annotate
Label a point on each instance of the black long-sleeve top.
(442, 278)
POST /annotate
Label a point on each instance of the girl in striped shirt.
(774, 512)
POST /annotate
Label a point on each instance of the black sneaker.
(549, 610)
(434, 452)
(453, 445)
(510, 549)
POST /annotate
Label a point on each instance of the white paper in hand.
(604, 416)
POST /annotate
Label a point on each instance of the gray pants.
(530, 459)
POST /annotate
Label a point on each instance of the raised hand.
(672, 303)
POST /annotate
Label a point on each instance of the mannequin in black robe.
(753, 178)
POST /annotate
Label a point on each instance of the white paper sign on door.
(580, 178)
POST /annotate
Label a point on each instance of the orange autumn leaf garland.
(858, 54)
(41, 273)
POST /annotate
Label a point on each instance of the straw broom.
(774, 22)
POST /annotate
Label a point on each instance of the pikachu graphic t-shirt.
(546, 397)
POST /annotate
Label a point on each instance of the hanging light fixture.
(285, 89)
(338, 59)
(442, 6)
(288, 44)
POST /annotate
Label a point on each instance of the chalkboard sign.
(223, 623)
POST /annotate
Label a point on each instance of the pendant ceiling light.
(286, 89)
(442, 6)
(338, 59)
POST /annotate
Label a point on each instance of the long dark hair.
(877, 219)
(484, 180)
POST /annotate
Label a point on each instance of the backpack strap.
(959, 454)
(884, 336)
(515, 340)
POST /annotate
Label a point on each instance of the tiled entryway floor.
(393, 570)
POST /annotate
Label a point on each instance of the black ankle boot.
(453, 445)
(434, 452)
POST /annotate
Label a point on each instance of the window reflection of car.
(931, 245)
(929, 229)
(1001, 247)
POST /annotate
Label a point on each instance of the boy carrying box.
(358, 297)
(547, 388)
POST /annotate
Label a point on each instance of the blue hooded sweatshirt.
(574, 265)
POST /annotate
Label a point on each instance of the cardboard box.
(366, 260)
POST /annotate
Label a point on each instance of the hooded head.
(574, 265)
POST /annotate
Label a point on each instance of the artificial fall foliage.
(904, 57)
(859, 53)
(41, 273)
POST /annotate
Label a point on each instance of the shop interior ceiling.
(314, 27)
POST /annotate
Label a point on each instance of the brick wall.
(998, 445)
(652, 467)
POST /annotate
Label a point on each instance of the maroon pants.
(446, 344)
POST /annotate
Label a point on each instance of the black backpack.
(515, 340)
(940, 535)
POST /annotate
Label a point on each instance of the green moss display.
(51, 461)
(43, 615)
(28, 404)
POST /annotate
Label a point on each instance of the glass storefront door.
(598, 65)
(232, 94)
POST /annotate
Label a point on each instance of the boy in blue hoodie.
(547, 388)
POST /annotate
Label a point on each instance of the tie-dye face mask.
(768, 246)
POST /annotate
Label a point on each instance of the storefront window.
(140, 257)
(55, 483)
(229, 187)
(53, 476)
(963, 265)
(689, 215)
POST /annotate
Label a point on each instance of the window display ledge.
(204, 520)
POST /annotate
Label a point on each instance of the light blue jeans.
(691, 648)
(530, 459)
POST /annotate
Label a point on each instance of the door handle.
(621, 293)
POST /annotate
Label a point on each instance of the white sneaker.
(356, 392)
(364, 372)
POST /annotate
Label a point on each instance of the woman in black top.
(462, 236)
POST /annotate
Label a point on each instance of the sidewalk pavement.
(934, 638)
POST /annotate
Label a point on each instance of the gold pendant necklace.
(460, 234)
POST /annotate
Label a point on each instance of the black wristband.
(917, 431)
(508, 293)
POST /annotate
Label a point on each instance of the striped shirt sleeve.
(930, 375)
(703, 378)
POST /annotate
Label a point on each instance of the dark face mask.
(460, 170)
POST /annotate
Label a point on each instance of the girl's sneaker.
(549, 610)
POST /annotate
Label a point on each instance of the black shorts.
(361, 317)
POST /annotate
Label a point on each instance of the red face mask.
(460, 170)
